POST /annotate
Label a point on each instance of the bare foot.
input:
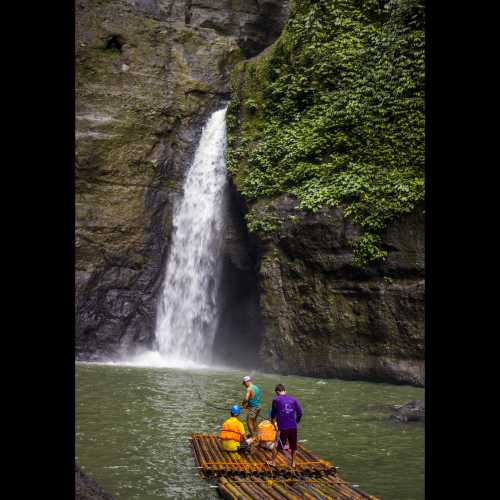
(271, 463)
(292, 466)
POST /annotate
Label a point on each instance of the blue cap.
(235, 410)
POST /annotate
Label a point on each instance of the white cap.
(247, 378)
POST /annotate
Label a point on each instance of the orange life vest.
(266, 431)
(230, 430)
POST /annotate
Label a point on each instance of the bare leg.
(251, 444)
(251, 425)
(274, 455)
(293, 459)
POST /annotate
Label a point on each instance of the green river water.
(133, 425)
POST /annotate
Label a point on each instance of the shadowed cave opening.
(114, 42)
(239, 335)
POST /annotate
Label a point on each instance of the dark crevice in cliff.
(114, 42)
(187, 12)
(239, 335)
(264, 30)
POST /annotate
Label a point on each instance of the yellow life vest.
(231, 430)
(266, 431)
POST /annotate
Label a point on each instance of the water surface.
(133, 426)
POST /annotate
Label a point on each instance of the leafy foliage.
(334, 113)
(260, 224)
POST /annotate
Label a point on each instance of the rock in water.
(414, 411)
(87, 489)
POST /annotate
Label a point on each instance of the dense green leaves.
(335, 113)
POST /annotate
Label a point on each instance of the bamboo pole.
(224, 492)
(198, 452)
(318, 491)
(262, 457)
(314, 458)
(262, 488)
(319, 466)
(273, 493)
(240, 464)
(344, 488)
(363, 493)
(233, 464)
(241, 481)
(338, 488)
(288, 495)
(252, 490)
(329, 487)
(231, 488)
(217, 453)
(210, 457)
(203, 454)
(254, 465)
(303, 491)
(326, 487)
(345, 493)
(291, 487)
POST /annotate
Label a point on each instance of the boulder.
(414, 411)
(87, 489)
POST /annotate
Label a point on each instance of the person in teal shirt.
(252, 403)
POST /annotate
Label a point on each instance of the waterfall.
(187, 311)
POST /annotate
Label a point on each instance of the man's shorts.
(243, 448)
(289, 435)
(253, 411)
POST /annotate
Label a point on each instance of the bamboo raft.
(328, 487)
(247, 475)
(212, 460)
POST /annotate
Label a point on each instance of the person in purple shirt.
(286, 412)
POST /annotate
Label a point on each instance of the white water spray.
(187, 313)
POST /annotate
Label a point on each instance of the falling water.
(187, 312)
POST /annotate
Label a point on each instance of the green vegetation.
(333, 113)
(262, 223)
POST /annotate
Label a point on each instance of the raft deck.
(213, 460)
(248, 476)
(328, 488)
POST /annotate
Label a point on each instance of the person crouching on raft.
(252, 402)
(266, 433)
(287, 412)
(232, 432)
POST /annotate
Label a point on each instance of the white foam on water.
(154, 359)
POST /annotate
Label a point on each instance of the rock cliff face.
(319, 115)
(87, 489)
(148, 74)
(324, 317)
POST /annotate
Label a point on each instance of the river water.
(133, 426)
